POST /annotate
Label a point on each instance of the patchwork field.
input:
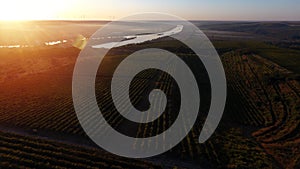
(259, 129)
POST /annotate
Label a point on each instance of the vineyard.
(260, 127)
(269, 104)
(27, 152)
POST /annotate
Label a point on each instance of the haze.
(283, 10)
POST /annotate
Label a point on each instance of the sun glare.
(31, 9)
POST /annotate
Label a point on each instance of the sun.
(31, 9)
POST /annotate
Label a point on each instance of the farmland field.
(260, 127)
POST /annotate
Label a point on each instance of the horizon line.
(107, 20)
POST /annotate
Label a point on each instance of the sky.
(187, 9)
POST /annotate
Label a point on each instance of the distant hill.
(275, 30)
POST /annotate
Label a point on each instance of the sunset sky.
(114, 9)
